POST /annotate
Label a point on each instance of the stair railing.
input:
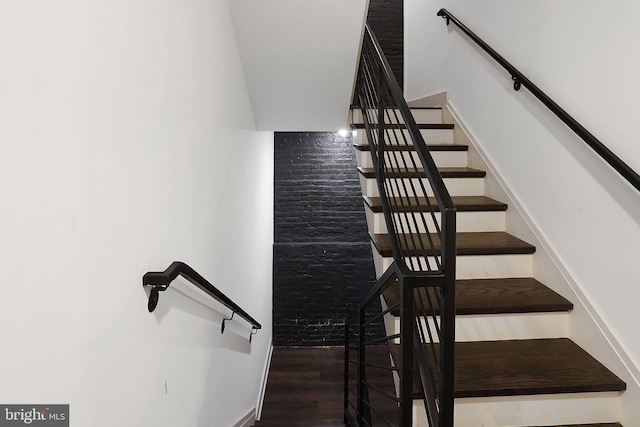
(160, 281)
(520, 80)
(421, 221)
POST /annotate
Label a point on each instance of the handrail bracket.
(225, 320)
(517, 84)
(444, 16)
(154, 295)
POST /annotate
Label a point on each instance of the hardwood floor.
(305, 387)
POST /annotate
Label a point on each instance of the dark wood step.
(444, 126)
(462, 203)
(433, 147)
(447, 172)
(357, 107)
(495, 296)
(475, 243)
(527, 367)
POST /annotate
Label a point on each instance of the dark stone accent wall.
(322, 254)
(386, 18)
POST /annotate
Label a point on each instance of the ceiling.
(299, 59)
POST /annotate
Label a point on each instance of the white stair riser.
(401, 136)
(441, 158)
(455, 186)
(474, 266)
(465, 221)
(493, 327)
(552, 409)
(421, 116)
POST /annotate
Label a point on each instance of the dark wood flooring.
(304, 388)
(306, 384)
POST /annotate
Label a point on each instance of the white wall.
(127, 141)
(584, 54)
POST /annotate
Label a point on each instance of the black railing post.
(346, 370)
(361, 362)
(381, 102)
(448, 316)
(407, 321)
(381, 142)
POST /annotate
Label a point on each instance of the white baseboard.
(263, 386)
(248, 420)
(436, 100)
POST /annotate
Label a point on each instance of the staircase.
(515, 364)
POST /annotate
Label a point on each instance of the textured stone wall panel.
(322, 253)
(387, 21)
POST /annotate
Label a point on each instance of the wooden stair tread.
(505, 368)
(446, 172)
(472, 243)
(357, 107)
(462, 203)
(444, 126)
(496, 296)
(526, 367)
(431, 147)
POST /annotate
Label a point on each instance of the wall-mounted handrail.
(160, 281)
(520, 79)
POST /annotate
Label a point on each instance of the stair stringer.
(586, 327)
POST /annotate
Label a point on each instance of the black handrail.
(160, 281)
(520, 79)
